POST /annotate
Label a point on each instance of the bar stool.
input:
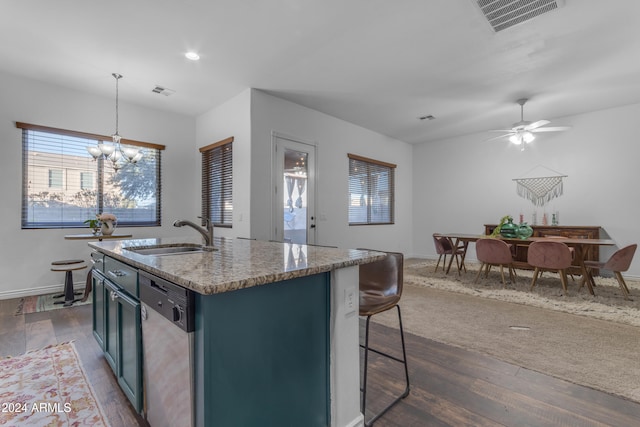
(68, 266)
(380, 290)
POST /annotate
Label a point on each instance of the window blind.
(217, 182)
(63, 185)
(371, 191)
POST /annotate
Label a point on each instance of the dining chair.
(444, 247)
(547, 255)
(381, 290)
(618, 262)
(495, 252)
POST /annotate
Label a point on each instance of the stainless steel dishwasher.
(167, 341)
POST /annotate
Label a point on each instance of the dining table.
(581, 247)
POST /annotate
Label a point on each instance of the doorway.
(293, 177)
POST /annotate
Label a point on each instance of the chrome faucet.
(207, 233)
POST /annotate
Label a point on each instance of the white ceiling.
(376, 63)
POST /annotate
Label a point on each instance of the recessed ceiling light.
(192, 56)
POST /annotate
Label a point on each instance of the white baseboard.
(357, 422)
(43, 290)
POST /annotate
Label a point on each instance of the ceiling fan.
(522, 132)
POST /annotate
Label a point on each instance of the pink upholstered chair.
(549, 255)
(444, 247)
(495, 252)
(619, 262)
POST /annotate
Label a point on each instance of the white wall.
(26, 255)
(230, 119)
(334, 138)
(454, 185)
(462, 183)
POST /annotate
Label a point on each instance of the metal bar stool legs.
(405, 393)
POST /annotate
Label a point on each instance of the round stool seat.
(68, 266)
(67, 261)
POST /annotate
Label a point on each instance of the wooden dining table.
(581, 247)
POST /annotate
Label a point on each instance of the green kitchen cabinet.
(129, 348)
(117, 329)
(99, 325)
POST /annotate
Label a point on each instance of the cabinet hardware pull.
(117, 273)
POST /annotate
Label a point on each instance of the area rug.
(534, 331)
(608, 303)
(37, 303)
(48, 387)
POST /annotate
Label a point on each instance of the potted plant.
(94, 224)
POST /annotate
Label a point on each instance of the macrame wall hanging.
(540, 185)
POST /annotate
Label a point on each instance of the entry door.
(294, 191)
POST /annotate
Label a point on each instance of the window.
(86, 180)
(55, 178)
(63, 185)
(217, 180)
(371, 191)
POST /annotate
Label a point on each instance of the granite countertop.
(237, 264)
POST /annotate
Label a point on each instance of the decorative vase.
(508, 229)
(107, 227)
(524, 231)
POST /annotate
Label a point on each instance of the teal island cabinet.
(273, 330)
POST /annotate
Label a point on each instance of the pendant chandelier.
(115, 153)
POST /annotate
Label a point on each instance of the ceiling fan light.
(528, 137)
(515, 139)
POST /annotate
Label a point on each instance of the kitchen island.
(275, 339)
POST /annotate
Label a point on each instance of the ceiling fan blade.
(502, 130)
(498, 137)
(537, 124)
(552, 129)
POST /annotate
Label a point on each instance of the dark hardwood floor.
(22, 333)
(449, 386)
(454, 387)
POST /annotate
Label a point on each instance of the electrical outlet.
(350, 300)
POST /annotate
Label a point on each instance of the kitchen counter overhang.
(236, 263)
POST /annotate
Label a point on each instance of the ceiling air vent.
(163, 91)
(503, 14)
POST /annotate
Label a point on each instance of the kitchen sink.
(167, 249)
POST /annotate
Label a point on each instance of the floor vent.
(163, 91)
(503, 14)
